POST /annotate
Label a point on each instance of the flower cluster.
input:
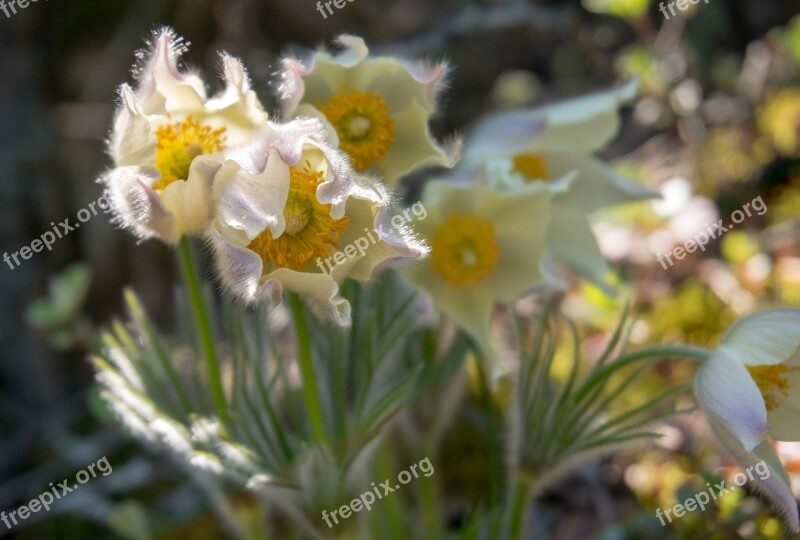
(271, 197)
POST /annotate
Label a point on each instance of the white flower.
(166, 140)
(545, 144)
(291, 214)
(378, 107)
(749, 389)
(486, 247)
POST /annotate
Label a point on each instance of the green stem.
(307, 369)
(204, 331)
(522, 495)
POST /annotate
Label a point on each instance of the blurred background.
(717, 124)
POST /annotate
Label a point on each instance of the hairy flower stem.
(307, 369)
(519, 505)
(203, 325)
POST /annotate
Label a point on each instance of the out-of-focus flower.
(486, 247)
(167, 138)
(749, 389)
(287, 205)
(542, 145)
(779, 119)
(378, 107)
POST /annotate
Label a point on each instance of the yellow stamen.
(772, 382)
(364, 125)
(310, 231)
(179, 143)
(464, 250)
(532, 166)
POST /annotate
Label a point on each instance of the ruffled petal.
(237, 107)
(397, 85)
(240, 270)
(253, 202)
(320, 291)
(136, 206)
(766, 338)
(376, 242)
(163, 88)
(413, 146)
(730, 398)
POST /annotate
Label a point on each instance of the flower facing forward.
(378, 107)
(486, 246)
(749, 389)
(288, 200)
(546, 144)
(167, 138)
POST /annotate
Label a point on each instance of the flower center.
(772, 382)
(531, 166)
(310, 230)
(179, 143)
(364, 125)
(464, 250)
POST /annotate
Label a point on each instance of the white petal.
(596, 184)
(766, 338)
(582, 125)
(190, 202)
(784, 422)
(469, 307)
(132, 141)
(773, 482)
(730, 397)
(571, 242)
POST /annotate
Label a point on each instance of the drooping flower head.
(292, 214)
(749, 390)
(378, 107)
(167, 138)
(547, 144)
(486, 247)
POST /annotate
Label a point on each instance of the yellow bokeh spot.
(364, 124)
(464, 250)
(179, 143)
(532, 166)
(310, 230)
(772, 382)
